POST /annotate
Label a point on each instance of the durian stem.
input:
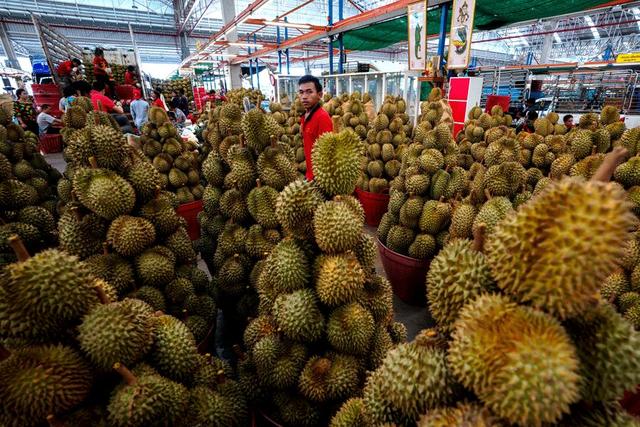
(4, 353)
(54, 422)
(258, 183)
(127, 375)
(487, 194)
(76, 213)
(609, 164)
(93, 162)
(185, 314)
(156, 193)
(105, 248)
(18, 248)
(478, 237)
(238, 351)
(97, 115)
(102, 296)
(220, 377)
(274, 141)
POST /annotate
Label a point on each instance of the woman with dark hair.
(156, 99)
(25, 111)
(102, 71)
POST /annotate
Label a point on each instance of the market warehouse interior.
(336, 213)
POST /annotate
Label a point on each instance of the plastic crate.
(50, 144)
(189, 211)
(407, 275)
(45, 89)
(374, 205)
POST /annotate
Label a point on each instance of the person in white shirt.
(178, 116)
(46, 120)
(68, 97)
(139, 109)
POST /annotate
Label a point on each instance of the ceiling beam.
(383, 13)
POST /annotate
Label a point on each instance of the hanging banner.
(460, 37)
(417, 27)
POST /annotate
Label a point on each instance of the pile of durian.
(125, 228)
(28, 203)
(523, 336)
(292, 135)
(238, 222)
(236, 96)
(433, 111)
(324, 316)
(178, 161)
(387, 139)
(71, 354)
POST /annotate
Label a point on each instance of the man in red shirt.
(65, 70)
(101, 102)
(102, 71)
(130, 76)
(315, 121)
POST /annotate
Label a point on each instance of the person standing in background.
(183, 103)
(568, 121)
(156, 99)
(178, 116)
(68, 95)
(25, 111)
(66, 69)
(130, 76)
(139, 111)
(102, 72)
(315, 121)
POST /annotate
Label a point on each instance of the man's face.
(569, 122)
(309, 96)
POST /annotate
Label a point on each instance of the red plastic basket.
(189, 211)
(50, 144)
(374, 205)
(407, 275)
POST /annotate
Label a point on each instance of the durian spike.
(126, 374)
(609, 164)
(93, 162)
(102, 295)
(18, 248)
(54, 422)
(487, 194)
(478, 237)
(4, 353)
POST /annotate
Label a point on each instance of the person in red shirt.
(156, 99)
(130, 76)
(65, 71)
(102, 71)
(315, 121)
(101, 102)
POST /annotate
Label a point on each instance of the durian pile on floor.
(292, 135)
(238, 222)
(236, 96)
(28, 203)
(116, 219)
(523, 336)
(72, 355)
(445, 188)
(325, 317)
(387, 139)
(177, 161)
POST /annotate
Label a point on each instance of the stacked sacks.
(73, 355)
(117, 220)
(522, 337)
(324, 315)
(387, 140)
(28, 203)
(176, 160)
(238, 222)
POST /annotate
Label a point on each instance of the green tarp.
(490, 14)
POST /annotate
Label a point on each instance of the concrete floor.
(413, 317)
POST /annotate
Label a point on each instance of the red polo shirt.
(64, 68)
(105, 102)
(317, 123)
